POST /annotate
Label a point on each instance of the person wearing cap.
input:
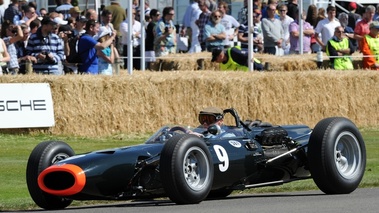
(64, 8)
(370, 47)
(340, 48)
(362, 27)
(79, 26)
(88, 46)
(234, 58)
(47, 48)
(353, 16)
(106, 56)
(212, 116)
(74, 12)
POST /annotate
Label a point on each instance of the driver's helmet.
(210, 115)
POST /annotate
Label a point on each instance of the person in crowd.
(370, 47)
(243, 33)
(265, 8)
(362, 27)
(4, 56)
(106, 20)
(136, 40)
(23, 58)
(212, 5)
(234, 59)
(230, 24)
(13, 13)
(11, 33)
(74, 12)
(34, 25)
(29, 15)
(189, 26)
(376, 16)
(354, 17)
(339, 50)
(118, 16)
(286, 21)
(294, 30)
(273, 33)
(214, 32)
(72, 22)
(292, 8)
(165, 37)
(150, 37)
(242, 14)
(349, 32)
(79, 26)
(106, 55)
(64, 8)
(47, 48)
(42, 12)
(202, 21)
(325, 28)
(91, 14)
(88, 46)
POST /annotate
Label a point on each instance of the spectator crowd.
(71, 40)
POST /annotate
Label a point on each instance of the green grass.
(15, 150)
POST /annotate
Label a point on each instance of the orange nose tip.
(78, 175)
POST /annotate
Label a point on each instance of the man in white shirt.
(326, 27)
(191, 15)
(136, 41)
(230, 23)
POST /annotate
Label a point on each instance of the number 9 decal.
(222, 156)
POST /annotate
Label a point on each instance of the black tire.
(336, 155)
(219, 193)
(186, 169)
(44, 155)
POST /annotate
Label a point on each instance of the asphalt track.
(364, 200)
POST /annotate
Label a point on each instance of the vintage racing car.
(189, 169)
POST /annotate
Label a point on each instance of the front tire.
(186, 169)
(336, 155)
(44, 155)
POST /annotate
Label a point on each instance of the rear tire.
(336, 155)
(186, 169)
(44, 155)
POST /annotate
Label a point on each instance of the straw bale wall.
(144, 101)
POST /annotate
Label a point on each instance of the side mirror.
(214, 129)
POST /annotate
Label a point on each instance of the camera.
(48, 59)
(166, 30)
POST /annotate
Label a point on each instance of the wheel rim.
(347, 155)
(196, 168)
(58, 157)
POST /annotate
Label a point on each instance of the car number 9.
(222, 156)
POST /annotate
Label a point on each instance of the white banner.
(26, 105)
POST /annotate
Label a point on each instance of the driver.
(213, 116)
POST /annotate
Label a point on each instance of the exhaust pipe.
(62, 180)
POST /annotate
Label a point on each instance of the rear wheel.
(44, 155)
(186, 169)
(337, 155)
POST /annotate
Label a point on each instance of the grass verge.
(15, 150)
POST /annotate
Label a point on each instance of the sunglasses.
(157, 14)
(216, 16)
(283, 10)
(205, 118)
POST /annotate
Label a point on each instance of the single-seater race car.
(178, 164)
